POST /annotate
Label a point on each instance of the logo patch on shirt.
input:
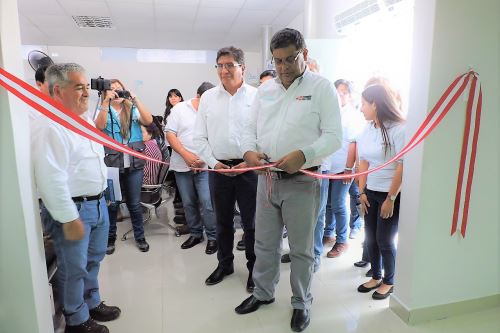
(303, 98)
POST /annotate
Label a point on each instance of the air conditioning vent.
(95, 22)
(356, 13)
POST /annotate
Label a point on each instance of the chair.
(153, 196)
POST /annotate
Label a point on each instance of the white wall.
(150, 81)
(24, 292)
(432, 267)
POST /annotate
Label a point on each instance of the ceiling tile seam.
(36, 27)
(226, 40)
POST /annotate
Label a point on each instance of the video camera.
(101, 85)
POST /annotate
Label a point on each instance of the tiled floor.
(163, 291)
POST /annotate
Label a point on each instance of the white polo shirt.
(181, 122)
(353, 124)
(303, 117)
(371, 149)
(220, 123)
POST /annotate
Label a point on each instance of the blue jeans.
(355, 220)
(197, 202)
(380, 234)
(78, 261)
(130, 183)
(320, 223)
(336, 210)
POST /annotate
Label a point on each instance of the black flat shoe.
(285, 258)
(361, 263)
(211, 247)
(300, 320)
(363, 289)
(240, 246)
(251, 304)
(378, 296)
(250, 284)
(191, 241)
(218, 275)
(369, 273)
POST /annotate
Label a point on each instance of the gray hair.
(57, 74)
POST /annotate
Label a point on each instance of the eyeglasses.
(289, 60)
(229, 66)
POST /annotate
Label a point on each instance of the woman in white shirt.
(380, 141)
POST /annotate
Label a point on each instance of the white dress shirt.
(371, 149)
(66, 165)
(181, 122)
(303, 117)
(220, 122)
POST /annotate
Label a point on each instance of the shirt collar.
(242, 88)
(299, 79)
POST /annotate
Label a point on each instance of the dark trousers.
(130, 183)
(226, 191)
(380, 235)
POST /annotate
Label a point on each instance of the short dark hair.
(269, 72)
(345, 83)
(286, 37)
(204, 87)
(40, 74)
(235, 52)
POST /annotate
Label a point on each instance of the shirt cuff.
(65, 215)
(309, 153)
(212, 161)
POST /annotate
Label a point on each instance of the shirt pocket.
(303, 114)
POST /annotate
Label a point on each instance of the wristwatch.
(392, 197)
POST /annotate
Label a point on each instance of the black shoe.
(363, 289)
(361, 263)
(378, 296)
(369, 273)
(300, 320)
(103, 312)
(218, 275)
(180, 219)
(111, 246)
(179, 211)
(211, 247)
(142, 245)
(191, 241)
(285, 258)
(90, 326)
(240, 246)
(251, 304)
(182, 230)
(250, 284)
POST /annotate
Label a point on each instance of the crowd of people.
(296, 119)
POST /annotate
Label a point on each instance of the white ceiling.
(172, 24)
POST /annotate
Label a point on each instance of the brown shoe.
(337, 250)
(329, 240)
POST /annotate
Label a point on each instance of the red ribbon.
(64, 117)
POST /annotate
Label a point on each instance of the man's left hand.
(292, 162)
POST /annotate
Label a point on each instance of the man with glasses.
(70, 175)
(295, 123)
(222, 115)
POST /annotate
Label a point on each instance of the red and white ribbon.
(58, 113)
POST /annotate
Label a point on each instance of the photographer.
(120, 117)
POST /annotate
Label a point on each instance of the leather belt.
(231, 163)
(88, 197)
(285, 175)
